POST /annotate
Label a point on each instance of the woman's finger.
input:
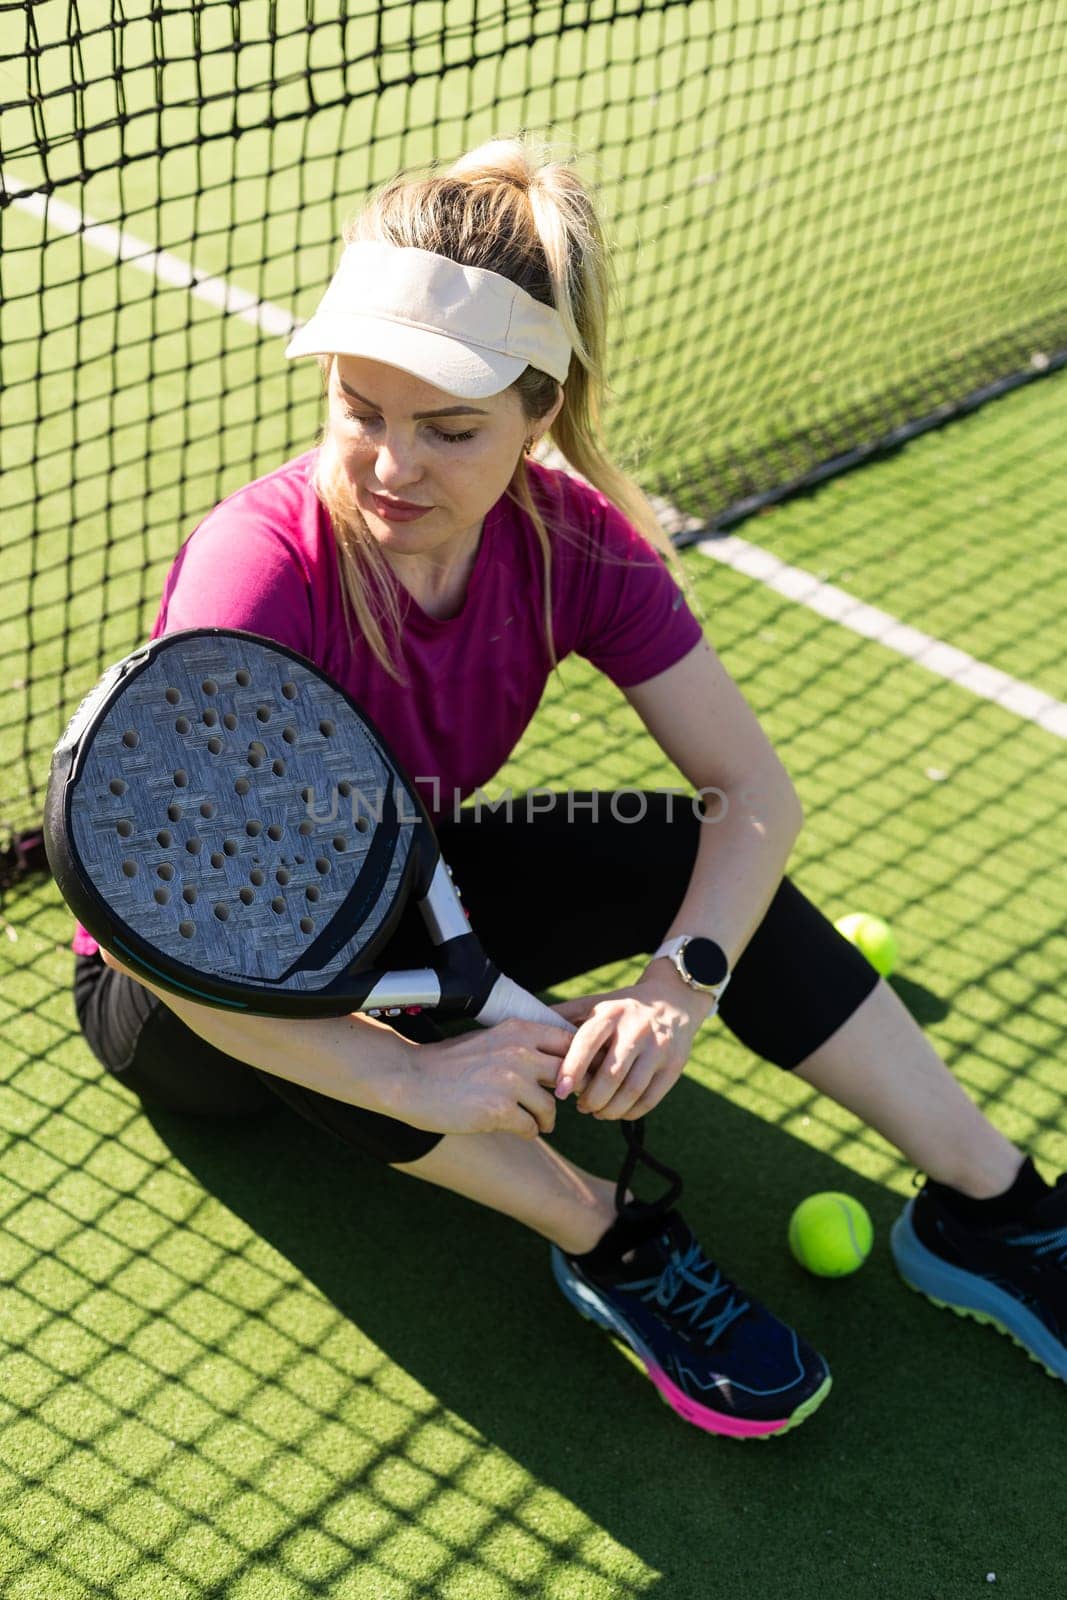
(578, 1009)
(611, 1073)
(584, 1047)
(630, 1087)
(657, 1090)
(540, 1105)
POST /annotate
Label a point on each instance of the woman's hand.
(631, 1045)
(496, 1079)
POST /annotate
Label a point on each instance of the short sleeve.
(634, 620)
(245, 566)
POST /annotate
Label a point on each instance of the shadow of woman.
(462, 1300)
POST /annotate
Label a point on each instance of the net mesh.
(830, 220)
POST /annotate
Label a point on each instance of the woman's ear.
(549, 417)
(543, 423)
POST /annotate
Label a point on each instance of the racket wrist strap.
(634, 1134)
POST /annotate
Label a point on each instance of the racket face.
(224, 819)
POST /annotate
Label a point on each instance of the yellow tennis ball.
(873, 937)
(830, 1234)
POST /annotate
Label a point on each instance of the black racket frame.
(458, 984)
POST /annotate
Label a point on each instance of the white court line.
(965, 671)
(803, 588)
(159, 264)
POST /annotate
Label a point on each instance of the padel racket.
(227, 822)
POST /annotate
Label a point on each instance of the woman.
(438, 574)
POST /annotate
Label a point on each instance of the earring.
(529, 445)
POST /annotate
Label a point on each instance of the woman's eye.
(439, 433)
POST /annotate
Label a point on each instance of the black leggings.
(552, 894)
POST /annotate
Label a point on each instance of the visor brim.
(462, 370)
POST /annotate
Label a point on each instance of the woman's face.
(403, 443)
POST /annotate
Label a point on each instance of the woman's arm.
(700, 719)
(354, 1058)
(494, 1079)
(632, 1046)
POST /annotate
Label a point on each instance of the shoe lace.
(1050, 1242)
(1046, 1244)
(692, 1270)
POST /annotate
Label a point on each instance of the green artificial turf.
(240, 1361)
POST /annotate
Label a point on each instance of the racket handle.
(508, 999)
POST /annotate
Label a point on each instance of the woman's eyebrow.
(418, 416)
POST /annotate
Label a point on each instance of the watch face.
(705, 961)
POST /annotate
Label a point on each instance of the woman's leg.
(524, 1179)
(549, 906)
(880, 1065)
(144, 1045)
(147, 1048)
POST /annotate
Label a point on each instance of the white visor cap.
(465, 330)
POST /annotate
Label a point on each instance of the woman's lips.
(399, 510)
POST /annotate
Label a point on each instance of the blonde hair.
(510, 207)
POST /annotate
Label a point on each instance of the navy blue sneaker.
(717, 1356)
(1013, 1276)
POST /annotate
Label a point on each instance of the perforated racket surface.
(222, 813)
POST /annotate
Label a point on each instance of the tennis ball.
(830, 1234)
(873, 937)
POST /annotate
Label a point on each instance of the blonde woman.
(424, 558)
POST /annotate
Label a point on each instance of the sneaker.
(717, 1357)
(1013, 1276)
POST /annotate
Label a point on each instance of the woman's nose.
(396, 464)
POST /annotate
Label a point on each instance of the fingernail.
(564, 1087)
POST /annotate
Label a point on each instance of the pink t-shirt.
(265, 560)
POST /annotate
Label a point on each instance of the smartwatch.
(699, 962)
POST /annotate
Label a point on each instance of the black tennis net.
(834, 225)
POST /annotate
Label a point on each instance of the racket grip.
(507, 999)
